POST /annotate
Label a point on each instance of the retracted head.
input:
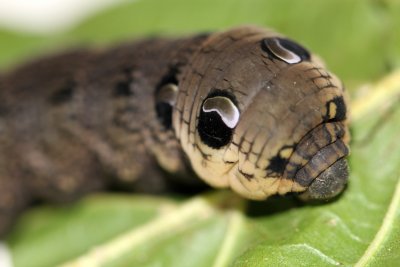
(257, 112)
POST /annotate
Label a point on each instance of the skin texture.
(241, 108)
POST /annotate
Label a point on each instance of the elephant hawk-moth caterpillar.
(246, 108)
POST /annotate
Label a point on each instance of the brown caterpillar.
(246, 108)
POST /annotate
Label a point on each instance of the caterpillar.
(246, 108)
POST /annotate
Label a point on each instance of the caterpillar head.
(258, 113)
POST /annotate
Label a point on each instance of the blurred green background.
(358, 39)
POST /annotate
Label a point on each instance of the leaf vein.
(343, 226)
(316, 252)
(384, 230)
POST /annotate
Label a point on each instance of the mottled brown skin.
(82, 121)
(71, 123)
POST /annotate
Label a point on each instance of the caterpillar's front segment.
(260, 114)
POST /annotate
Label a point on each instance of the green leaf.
(52, 234)
(359, 41)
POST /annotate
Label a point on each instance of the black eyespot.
(277, 164)
(165, 100)
(285, 50)
(165, 97)
(335, 110)
(218, 118)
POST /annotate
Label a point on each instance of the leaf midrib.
(384, 230)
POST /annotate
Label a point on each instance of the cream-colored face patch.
(286, 152)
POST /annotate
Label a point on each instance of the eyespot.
(285, 50)
(335, 110)
(165, 96)
(165, 100)
(219, 116)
